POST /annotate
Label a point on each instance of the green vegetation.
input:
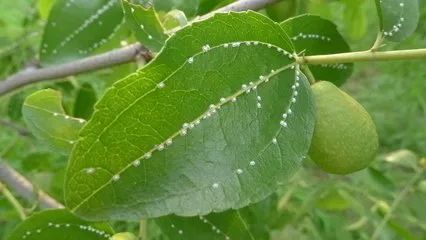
(186, 133)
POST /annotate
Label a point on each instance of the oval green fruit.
(345, 138)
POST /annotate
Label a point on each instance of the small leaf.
(174, 19)
(85, 101)
(315, 36)
(15, 105)
(77, 28)
(355, 19)
(47, 120)
(398, 18)
(216, 121)
(145, 25)
(333, 200)
(59, 224)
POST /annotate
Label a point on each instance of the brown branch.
(24, 188)
(105, 60)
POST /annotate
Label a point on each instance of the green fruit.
(345, 138)
(124, 236)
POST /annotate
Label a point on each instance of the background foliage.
(314, 205)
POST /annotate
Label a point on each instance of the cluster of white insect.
(335, 66)
(68, 225)
(311, 36)
(398, 25)
(82, 27)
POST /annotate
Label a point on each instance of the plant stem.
(143, 229)
(364, 56)
(308, 73)
(13, 201)
(395, 204)
(377, 44)
(24, 188)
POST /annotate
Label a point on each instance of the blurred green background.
(314, 205)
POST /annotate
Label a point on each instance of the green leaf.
(15, 105)
(398, 18)
(59, 224)
(333, 200)
(47, 120)
(355, 19)
(76, 28)
(174, 19)
(44, 7)
(145, 25)
(315, 36)
(282, 10)
(189, 7)
(85, 101)
(252, 222)
(198, 129)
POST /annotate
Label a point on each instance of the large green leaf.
(145, 25)
(78, 27)
(315, 36)
(59, 224)
(215, 121)
(47, 120)
(398, 18)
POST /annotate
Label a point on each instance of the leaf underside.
(59, 224)
(200, 129)
(47, 120)
(398, 18)
(314, 35)
(78, 27)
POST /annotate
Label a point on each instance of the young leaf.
(59, 224)
(314, 35)
(174, 19)
(145, 25)
(398, 18)
(47, 120)
(216, 121)
(77, 27)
